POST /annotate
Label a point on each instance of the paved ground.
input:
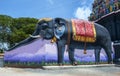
(81, 70)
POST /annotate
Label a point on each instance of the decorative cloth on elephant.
(83, 30)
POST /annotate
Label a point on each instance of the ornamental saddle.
(83, 31)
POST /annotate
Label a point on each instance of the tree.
(14, 30)
(5, 23)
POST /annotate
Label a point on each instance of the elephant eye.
(44, 26)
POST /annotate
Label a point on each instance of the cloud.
(82, 13)
(84, 2)
(51, 2)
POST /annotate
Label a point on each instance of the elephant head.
(44, 29)
(48, 29)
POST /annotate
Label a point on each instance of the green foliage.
(14, 30)
(17, 36)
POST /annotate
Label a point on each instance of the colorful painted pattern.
(83, 30)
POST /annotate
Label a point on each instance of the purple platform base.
(40, 51)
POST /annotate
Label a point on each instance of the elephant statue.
(63, 32)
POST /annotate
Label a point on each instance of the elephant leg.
(60, 53)
(97, 55)
(71, 56)
(108, 51)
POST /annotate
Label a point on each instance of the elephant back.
(83, 31)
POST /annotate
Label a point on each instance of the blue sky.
(46, 8)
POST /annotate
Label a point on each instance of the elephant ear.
(59, 27)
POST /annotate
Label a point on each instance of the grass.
(39, 64)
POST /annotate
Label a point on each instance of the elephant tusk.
(37, 36)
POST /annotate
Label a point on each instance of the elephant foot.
(60, 64)
(74, 63)
(111, 62)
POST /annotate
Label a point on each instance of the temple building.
(107, 13)
(103, 7)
